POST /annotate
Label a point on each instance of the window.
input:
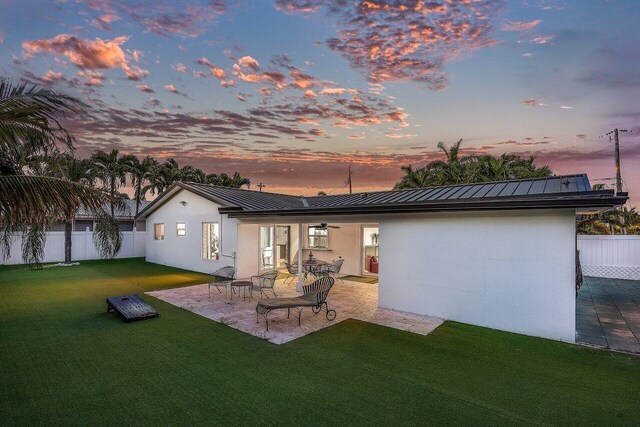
(181, 229)
(210, 240)
(318, 238)
(158, 231)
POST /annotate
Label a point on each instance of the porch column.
(300, 241)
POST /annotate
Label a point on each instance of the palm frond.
(33, 115)
(26, 200)
(107, 236)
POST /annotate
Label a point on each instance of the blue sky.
(290, 92)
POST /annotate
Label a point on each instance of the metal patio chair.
(293, 272)
(228, 273)
(265, 282)
(334, 268)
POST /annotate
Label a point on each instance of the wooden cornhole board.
(131, 308)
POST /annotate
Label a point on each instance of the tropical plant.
(141, 174)
(77, 170)
(30, 126)
(614, 221)
(112, 169)
(456, 169)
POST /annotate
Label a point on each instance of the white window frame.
(155, 233)
(178, 229)
(214, 256)
(310, 236)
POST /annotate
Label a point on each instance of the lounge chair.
(314, 296)
(265, 282)
(228, 273)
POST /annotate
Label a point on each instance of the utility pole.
(260, 186)
(349, 181)
(616, 140)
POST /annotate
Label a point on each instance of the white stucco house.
(499, 254)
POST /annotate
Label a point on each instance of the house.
(124, 215)
(498, 254)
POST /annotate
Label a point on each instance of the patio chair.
(334, 268)
(265, 282)
(228, 273)
(293, 272)
(314, 296)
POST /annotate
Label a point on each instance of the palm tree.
(413, 178)
(455, 169)
(31, 121)
(74, 170)
(224, 180)
(112, 169)
(142, 172)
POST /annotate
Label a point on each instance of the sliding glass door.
(274, 246)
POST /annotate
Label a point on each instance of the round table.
(244, 284)
(313, 267)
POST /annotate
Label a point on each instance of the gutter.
(466, 205)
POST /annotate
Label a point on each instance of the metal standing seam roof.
(567, 190)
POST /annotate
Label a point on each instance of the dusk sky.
(290, 92)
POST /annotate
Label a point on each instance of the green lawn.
(63, 360)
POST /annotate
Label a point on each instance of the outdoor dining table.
(314, 267)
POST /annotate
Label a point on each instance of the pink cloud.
(338, 91)
(179, 17)
(51, 77)
(532, 102)
(171, 88)
(399, 41)
(520, 26)
(87, 54)
(145, 88)
(102, 22)
(310, 94)
(181, 68)
(249, 62)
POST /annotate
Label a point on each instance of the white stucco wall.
(512, 271)
(186, 252)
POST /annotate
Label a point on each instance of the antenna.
(261, 185)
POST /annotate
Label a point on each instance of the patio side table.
(242, 284)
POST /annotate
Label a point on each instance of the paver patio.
(608, 314)
(351, 300)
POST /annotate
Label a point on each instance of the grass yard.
(63, 360)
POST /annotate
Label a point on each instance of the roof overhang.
(594, 200)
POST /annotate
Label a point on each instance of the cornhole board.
(131, 308)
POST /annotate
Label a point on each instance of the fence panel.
(82, 247)
(616, 257)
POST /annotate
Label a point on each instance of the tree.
(31, 123)
(141, 174)
(456, 169)
(75, 170)
(112, 169)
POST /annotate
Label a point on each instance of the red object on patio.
(373, 265)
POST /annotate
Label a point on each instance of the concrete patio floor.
(608, 314)
(351, 300)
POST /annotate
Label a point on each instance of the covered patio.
(351, 300)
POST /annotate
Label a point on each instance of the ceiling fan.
(324, 225)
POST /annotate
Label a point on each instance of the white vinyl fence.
(615, 257)
(82, 247)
